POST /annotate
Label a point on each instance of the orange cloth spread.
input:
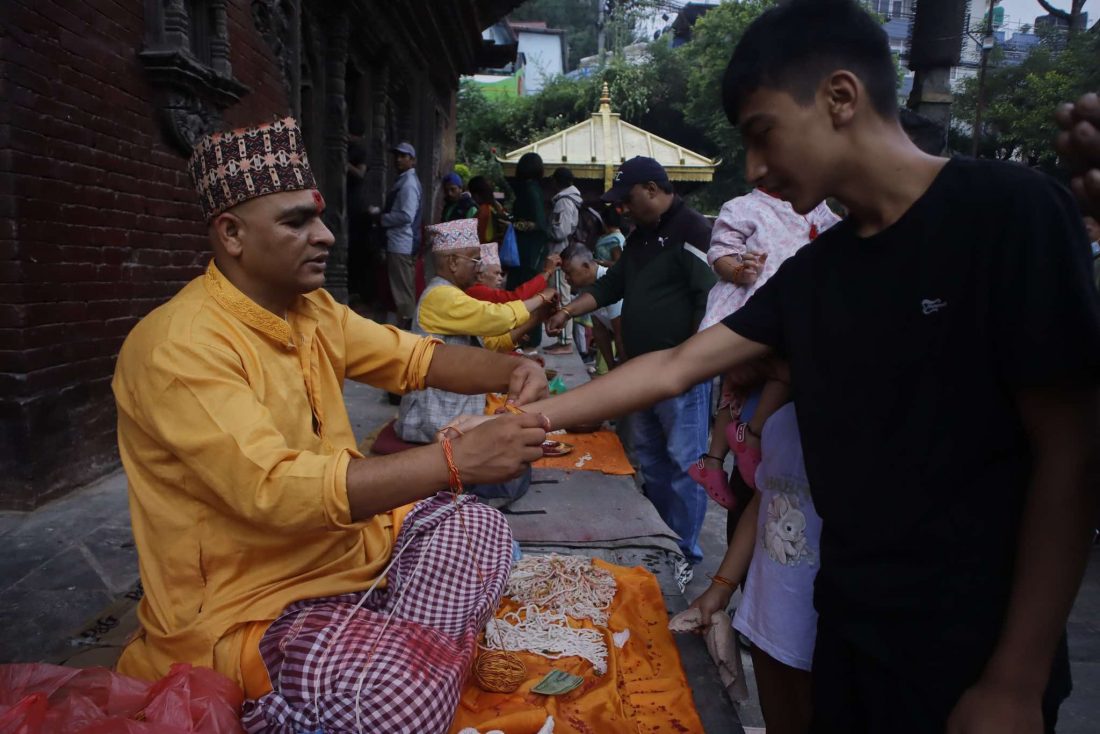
(644, 690)
(235, 439)
(608, 455)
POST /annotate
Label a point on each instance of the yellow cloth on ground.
(604, 447)
(644, 690)
(448, 311)
(236, 441)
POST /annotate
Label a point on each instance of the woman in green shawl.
(532, 230)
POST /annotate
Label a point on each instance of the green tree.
(715, 36)
(1020, 99)
(675, 94)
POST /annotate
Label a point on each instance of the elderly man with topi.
(445, 312)
(324, 583)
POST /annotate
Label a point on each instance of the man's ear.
(842, 91)
(228, 230)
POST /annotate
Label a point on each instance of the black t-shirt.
(907, 349)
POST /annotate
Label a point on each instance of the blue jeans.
(668, 438)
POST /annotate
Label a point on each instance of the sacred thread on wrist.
(724, 581)
(454, 479)
(516, 410)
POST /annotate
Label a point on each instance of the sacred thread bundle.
(552, 588)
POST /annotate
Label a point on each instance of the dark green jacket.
(663, 280)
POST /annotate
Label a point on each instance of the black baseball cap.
(637, 170)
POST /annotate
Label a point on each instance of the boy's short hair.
(563, 177)
(793, 47)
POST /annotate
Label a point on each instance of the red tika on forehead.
(231, 167)
(318, 201)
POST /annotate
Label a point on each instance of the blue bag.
(509, 250)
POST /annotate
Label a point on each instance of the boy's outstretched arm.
(650, 378)
(1063, 426)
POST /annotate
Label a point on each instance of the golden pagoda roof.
(593, 149)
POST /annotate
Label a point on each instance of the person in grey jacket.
(401, 220)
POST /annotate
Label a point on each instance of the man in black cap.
(401, 220)
(662, 279)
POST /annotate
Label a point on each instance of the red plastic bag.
(36, 698)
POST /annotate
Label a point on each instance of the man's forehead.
(278, 203)
(762, 104)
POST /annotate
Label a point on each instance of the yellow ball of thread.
(498, 671)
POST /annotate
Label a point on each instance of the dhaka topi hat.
(405, 148)
(489, 254)
(228, 168)
(460, 234)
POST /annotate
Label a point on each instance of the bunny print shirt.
(777, 612)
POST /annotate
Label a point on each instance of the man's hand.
(987, 708)
(553, 262)
(1078, 144)
(499, 449)
(528, 383)
(556, 322)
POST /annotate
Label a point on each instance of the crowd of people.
(906, 350)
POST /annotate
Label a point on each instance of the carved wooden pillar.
(335, 137)
(190, 92)
(176, 25)
(378, 152)
(280, 24)
(219, 44)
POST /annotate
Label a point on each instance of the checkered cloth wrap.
(421, 660)
(230, 167)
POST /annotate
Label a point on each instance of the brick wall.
(98, 224)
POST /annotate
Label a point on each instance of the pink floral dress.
(758, 223)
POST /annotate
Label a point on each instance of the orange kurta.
(236, 442)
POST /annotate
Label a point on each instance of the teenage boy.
(944, 343)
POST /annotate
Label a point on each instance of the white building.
(543, 50)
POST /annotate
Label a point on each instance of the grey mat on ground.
(560, 508)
